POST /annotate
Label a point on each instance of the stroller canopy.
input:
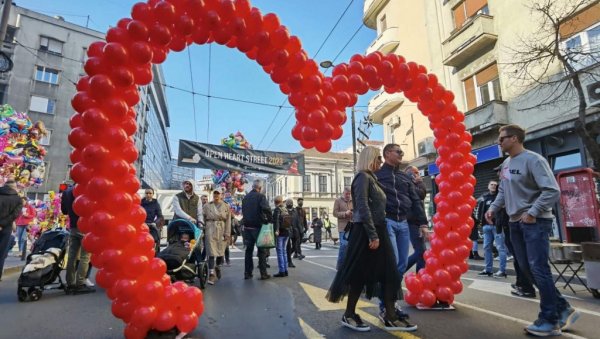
(181, 226)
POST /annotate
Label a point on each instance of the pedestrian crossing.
(239, 248)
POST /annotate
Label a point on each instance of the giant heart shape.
(104, 150)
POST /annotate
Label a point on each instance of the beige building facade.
(470, 45)
(326, 175)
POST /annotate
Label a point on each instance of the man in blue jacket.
(401, 199)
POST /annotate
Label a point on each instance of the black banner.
(198, 155)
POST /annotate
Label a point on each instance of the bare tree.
(537, 56)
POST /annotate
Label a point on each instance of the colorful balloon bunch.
(48, 215)
(236, 140)
(232, 181)
(104, 150)
(21, 156)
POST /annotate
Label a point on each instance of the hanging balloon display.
(21, 155)
(104, 149)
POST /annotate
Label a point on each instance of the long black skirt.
(373, 269)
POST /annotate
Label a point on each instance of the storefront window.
(568, 160)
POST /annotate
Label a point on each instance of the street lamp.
(328, 64)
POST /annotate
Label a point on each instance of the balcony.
(486, 117)
(383, 104)
(475, 35)
(386, 42)
(370, 11)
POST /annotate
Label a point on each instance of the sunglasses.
(501, 139)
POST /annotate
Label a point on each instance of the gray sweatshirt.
(527, 185)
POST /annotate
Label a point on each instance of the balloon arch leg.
(106, 184)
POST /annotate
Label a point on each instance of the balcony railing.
(475, 35)
(383, 104)
(486, 117)
(386, 42)
(370, 11)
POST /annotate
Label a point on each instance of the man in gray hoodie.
(528, 190)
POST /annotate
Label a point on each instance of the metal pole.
(353, 138)
(4, 20)
(412, 127)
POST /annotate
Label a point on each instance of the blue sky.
(232, 75)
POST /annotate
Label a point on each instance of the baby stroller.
(184, 262)
(43, 264)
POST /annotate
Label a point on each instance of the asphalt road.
(292, 307)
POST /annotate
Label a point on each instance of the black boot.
(476, 256)
(280, 275)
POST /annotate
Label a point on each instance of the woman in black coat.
(317, 226)
(370, 263)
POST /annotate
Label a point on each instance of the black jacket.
(483, 204)
(256, 210)
(401, 195)
(153, 210)
(10, 207)
(368, 200)
(66, 206)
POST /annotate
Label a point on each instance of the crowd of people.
(378, 217)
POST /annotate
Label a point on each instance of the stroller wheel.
(35, 293)
(202, 270)
(21, 294)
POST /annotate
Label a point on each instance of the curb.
(13, 269)
(511, 272)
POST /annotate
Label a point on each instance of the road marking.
(377, 323)
(317, 297)
(308, 331)
(499, 288)
(506, 317)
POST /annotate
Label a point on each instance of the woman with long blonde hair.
(370, 262)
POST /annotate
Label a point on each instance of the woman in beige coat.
(217, 217)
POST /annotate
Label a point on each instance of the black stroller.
(185, 262)
(43, 264)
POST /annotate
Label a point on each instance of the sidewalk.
(13, 264)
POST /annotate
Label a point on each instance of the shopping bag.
(266, 237)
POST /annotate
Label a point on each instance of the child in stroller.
(43, 265)
(183, 254)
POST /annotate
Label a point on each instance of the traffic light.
(62, 187)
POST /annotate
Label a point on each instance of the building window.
(347, 181)
(483, 87)
(322, 183)
(50, 45)
(306, 183)
(41, 104)
(382, 24)
(45, 139)
(583, 49)
(10, 34)
(567, 160)
(45, 74)
(68, 176)
(468, 9)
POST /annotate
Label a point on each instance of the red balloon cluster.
(104, 149)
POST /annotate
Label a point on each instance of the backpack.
(287, 219)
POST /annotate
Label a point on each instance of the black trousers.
(250, 236)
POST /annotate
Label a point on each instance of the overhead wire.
(318, 50)
(193, 96)
(333, 28)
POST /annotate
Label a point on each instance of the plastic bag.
(266, 237)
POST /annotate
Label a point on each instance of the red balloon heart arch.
(104, 151)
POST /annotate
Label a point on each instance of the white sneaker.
(89, 283)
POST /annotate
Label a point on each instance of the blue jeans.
(282, 253)
(342, 250)
(489, 235)
(531, 243)
(22, 238)
(400, 238)
(418, 244)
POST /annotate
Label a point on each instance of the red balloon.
(165, 320)
(122, 309)
(427, 298)
(445, 294)
(323, 146)
(148, 292)
(133, 331)
(428, 282)
(442, 277)
(456, 286)
(454, 271)
(452, 239)
(414, 285)
(411, 298)
(187, 322)
(126, 289)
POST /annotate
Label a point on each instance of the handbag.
(266, 237)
